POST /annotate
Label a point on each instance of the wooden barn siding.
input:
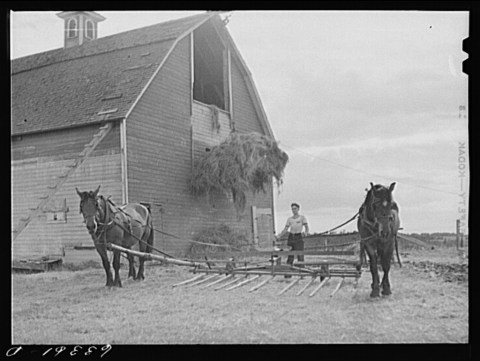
(36, 160)
(159, 156)
(246, 118)
(159, 145)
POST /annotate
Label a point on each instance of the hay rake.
(320, 271)
(227, 276)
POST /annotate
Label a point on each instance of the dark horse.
(378, 224)
(123, 226)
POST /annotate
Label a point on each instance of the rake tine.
(203, 280)
(217, 281)
(260, 284)
(319, 286)
(188, 281)
(290, 285)
(248, 280)
(338, 286)
(305, 287)
(228, 283)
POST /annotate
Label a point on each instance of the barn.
(131, 112)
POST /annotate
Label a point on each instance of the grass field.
(74, 307)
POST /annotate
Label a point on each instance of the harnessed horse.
(123, 226)
(378, 224)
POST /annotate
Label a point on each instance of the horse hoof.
(375, 294)
(386, 293)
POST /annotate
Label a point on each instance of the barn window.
(56, 211)
(56, 217)
(72, 28)
(90, 31)
(210, 63)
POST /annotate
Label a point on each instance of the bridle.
(101, 219)
(374, 226)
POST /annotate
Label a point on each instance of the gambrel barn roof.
(103, 79)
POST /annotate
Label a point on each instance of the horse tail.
(396, 250)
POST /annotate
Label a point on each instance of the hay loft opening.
(210, 67)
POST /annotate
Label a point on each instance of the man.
(295, 224)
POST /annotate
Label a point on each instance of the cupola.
(80, 26)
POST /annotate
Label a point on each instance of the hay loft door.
(262, 221)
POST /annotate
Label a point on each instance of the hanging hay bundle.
(242, 163)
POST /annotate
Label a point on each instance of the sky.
(353, 97)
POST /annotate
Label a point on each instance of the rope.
(351, 219)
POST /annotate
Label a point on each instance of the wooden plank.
(188, 281)
(237, 255)
(338, 287)
(255, 272)
(248, 280)
(218, 281)
(265, 281)
(228, 283)
(319, 286)
(149, 256)
(203, 280)
(415, 241)
(325, 262)
(306, 286)
(255, 225)
(290, 285)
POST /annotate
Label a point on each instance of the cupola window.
(90, 30)
(72, 28)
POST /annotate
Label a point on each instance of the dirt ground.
(429, 304)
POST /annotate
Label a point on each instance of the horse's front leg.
(386, 262)
(102, 251)
(116, 267)
(374, 271)
(361, 259)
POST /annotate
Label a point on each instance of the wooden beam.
(218, 281)
(319, 286)
(248, 280)
(238, 255)
(203, 280)
(228, 283)
(415, 241)
(254, 225)
(290, 285)
(188, 281)
(265, 281)
(306, 286)
(338, 287)
(149, 256)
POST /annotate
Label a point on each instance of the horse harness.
(371, 227)
(109, 221)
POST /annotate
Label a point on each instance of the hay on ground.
(242, 163)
